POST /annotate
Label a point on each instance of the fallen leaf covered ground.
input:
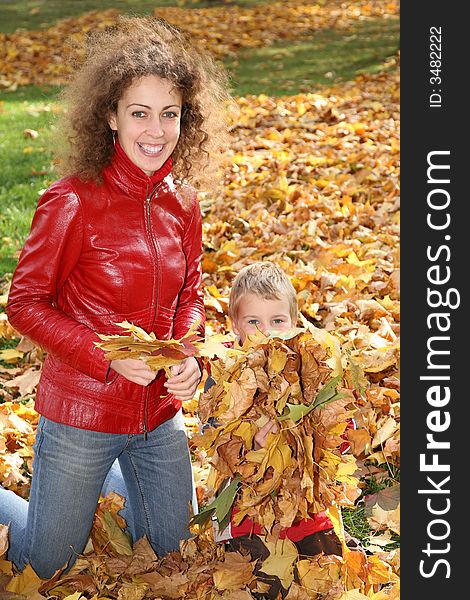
(312, 183)
(38, 57)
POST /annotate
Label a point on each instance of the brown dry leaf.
(4, 543)
(26, 382)
(240, 394)
(297, 592)
(360, 441)
(353, 595)
(380, 519)
(234, 573)
(132, 591)
(320, 573)
(389, 593)
(239, 595)
(386, 429)
(168, 586)
(143, 557)
(6, 568)
(32, 133)
(107, 534)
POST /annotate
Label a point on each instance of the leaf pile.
(301, 470)
(111, 568)
(226, 30)
(38, 57)
(312, 181)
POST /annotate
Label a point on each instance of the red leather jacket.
(128, 249)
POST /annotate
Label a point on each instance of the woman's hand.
(262, 434)
(184, 380)
(134, 370)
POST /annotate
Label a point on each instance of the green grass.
(355, 519)
(329, 56)
(356, 524)
(26, 165)
(38, 14)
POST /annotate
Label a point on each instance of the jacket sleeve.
(190, 303)
(49, 255)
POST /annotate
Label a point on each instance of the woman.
(117, 238)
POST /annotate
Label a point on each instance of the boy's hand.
(186, 376)
(262, 433)
(134, 370)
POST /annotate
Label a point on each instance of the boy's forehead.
(255, 302)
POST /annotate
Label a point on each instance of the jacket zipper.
(148, 198)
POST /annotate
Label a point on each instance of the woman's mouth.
(150, 149)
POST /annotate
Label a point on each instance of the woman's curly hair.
(115, 58)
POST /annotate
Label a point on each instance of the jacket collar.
(128, 177)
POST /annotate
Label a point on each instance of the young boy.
(263, 298)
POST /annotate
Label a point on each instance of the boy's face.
(255, 312)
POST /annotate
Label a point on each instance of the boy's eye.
(253, 322)
(278, 321)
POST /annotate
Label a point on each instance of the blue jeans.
(70, 466)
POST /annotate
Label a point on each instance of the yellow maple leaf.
(280, 562)
(26, 583)
(379, 572)
(346, 468)
(279, 455)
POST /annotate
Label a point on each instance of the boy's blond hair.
(265, 279)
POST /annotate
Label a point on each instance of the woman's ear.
(112, 121)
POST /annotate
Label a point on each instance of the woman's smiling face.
(147, 122)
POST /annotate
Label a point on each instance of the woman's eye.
(139, 114)
(170, 115)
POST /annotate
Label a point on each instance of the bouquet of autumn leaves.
(300, 381)
(160, 354)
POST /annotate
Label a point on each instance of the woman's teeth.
(151, 149)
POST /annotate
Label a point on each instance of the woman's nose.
(155, 128)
